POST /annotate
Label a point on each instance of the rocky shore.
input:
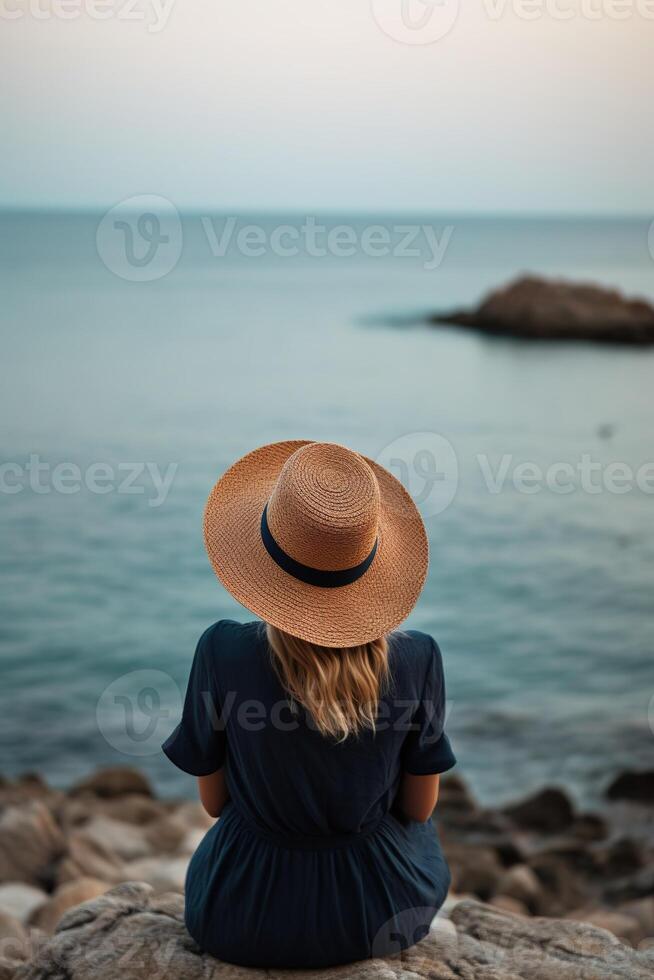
(539, 889)
(533, 308)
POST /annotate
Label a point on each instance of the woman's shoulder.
(415, 641)
(415, 651)
(227, 639)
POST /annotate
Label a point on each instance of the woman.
(316, 735)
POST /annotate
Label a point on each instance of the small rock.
(623, 926)
(19, 900)
(576, 855)
(475, 870)
(635, 786)
(192, 840)
(508, 850)
(126, 841)
(589, 827)
(548, 811)
(87, 858)
(126, 899)
(622, 857)
(67, 896)
(193, 814)
(643, 911)
(30, 842)
(522, 884)
(631, 887)
(509, 904)
(165, 835)
(561, 888)
(161, 873)
(454, 795)
(8, 968)
(134, 808)
(113, 782)
(11, 931)
(27, 787)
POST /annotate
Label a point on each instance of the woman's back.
(293, 790)
(284, 775)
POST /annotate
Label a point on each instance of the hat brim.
(345, 616)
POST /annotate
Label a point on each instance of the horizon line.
(202, 211)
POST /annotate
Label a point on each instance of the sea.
(143, 351)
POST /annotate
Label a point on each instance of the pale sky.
(318, 104)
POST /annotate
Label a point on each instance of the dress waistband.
(305, 842)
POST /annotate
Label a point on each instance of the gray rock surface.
(536, 857)
(131, 934)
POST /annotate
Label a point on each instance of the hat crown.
(325, 507)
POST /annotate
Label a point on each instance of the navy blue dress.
(310, 863)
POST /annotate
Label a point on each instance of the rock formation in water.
(545, 309)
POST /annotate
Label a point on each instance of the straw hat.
(317, 540)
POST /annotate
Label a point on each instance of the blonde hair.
(339, 686)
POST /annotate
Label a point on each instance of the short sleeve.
(198, 744)
(426, 748)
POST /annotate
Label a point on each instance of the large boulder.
(522, 884)
(66, 897)
(635, 786)
(89, 858)
(133, 808)
(129, 934)
(475, 870)
(549, 811)
(455, 798)
(551, 309)
(562, 890)
(125, 841)
(29, 786)
(112, 782)
(163, 874)
(30, 843)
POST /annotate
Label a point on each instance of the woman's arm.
(418, 795)
(213, 792)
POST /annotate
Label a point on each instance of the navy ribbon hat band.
(305, 573)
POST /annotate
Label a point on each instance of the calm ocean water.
(542, 602)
